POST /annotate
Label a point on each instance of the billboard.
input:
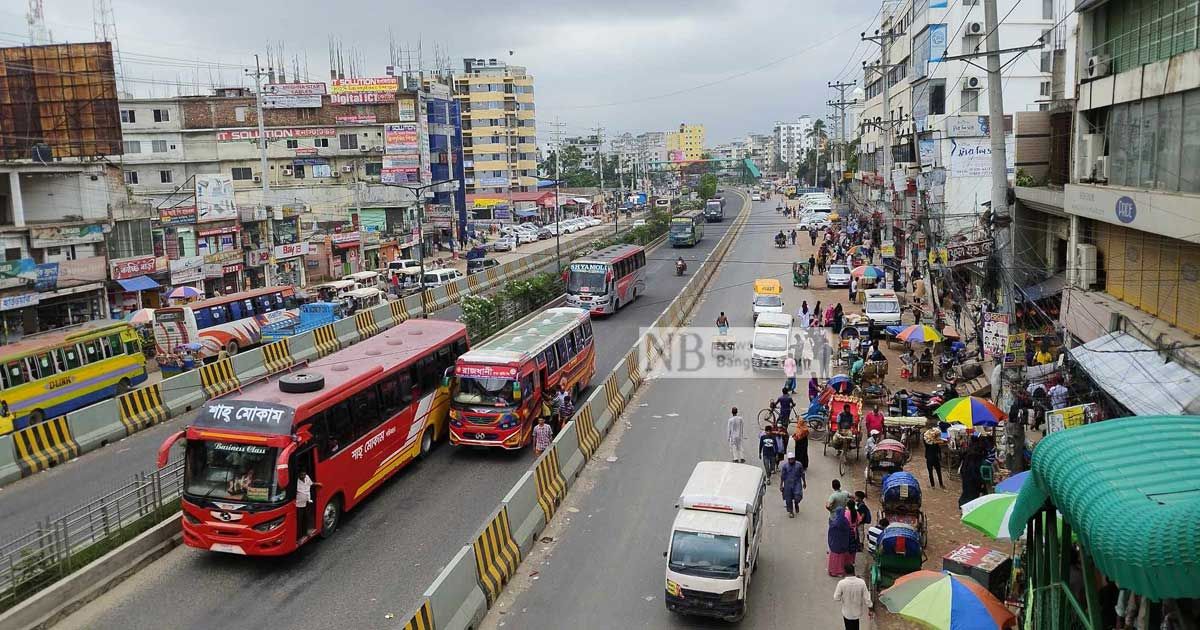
(399, 170)
(177, 215)
(401, 139)
(286, 133)
(363, 91)
(293, 95)
(214, 198)
(60, 100)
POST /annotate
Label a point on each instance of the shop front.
(287, 262)
(29, 313)
(256, 273)
(345, 254)
(371, 251)
(136, 283)
(187, 271)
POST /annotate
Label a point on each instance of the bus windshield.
(681, 227)
(232, 471)
(491, 392)
(586, 277)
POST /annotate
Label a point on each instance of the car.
(837, 275)
(591, 221)
(818, 220)
(439, 277)
(525, 236)
(476, 265)
(756, 197)
(504, 244)
(544, 233)
(639, 223)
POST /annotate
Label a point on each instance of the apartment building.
(499, 131)
(589, 147)
(792, 140)
(687, 143)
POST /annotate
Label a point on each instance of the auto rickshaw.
(800, 273)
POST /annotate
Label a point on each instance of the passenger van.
(772, 340)
(365, 298)
(768, 296)
(439, 277)
(714, 540)
(882, 308)
(333, 291)
(364, 278)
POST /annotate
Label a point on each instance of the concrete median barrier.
(326, 341)
(364, 322)
(139, 409)
(248, 366)
(45, 445)
(10, 471)
(570, 457)
(277, 356)
(219, 378)
(456, 600)
(586, 432)
(346, 331)
(99, 424)
(496, 555)
(551, 487)
(183, 392)
(525, 516)
(421, 618)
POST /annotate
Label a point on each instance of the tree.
(708, 186)
(818, 136)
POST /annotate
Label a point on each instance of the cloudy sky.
(734, 65)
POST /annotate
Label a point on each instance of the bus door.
(302, 463)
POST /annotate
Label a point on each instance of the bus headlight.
(269, 525)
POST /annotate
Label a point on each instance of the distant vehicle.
(714, 210)
(818, 220)
(438, 277)
(544, 233)
(231, 322)
(772, 339)
(639, 223)
(687, 228)
(481, 264)
(756, 197)
(48, 375)
(605, 280)
(504, 244)
(312, 315)
(364, 278)
(363, 299)
(526, 236)
(662, 202)
(591, 222)
(349, 420)
(837, 275)
(402, 265)
(882, 308)
(768, 297)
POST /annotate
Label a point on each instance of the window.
(348, 141)
(239, 113)
(1047, 10)
(374, 169)
(298, 171)
(131, 146)
(242, 174)
(322, 143)
(550, 358)
(158, 146)
(428, 376)
(128, 116)
(92, 351)
(1044, 88)
(162, 115)
(165, 177)
(292, 144)
(131, 177)
(970, 101)
(14, 374)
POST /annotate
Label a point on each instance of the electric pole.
(599, 131)
(840, 105)
(884, 40)
(258, 75)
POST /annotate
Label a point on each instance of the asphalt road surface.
(605, 568)
(387, 551)
(56, 491)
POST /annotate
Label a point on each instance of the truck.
(312, 315)
(714, 210)
(714, 540)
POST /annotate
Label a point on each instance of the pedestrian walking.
(789, 373)
(836, 324)
(792, 484)
(1058, 395)
(933, 454)
(812, 262)
(734, 434)
(793, 235)
(838, 538)
(800, 443)
(542, 435)
(766, 451)
(804, 316)
(838, 499)
(852, 592)
(817, 321)
(807, 352)
(852, 289)
(812, 236)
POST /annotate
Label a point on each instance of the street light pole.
(416, 191)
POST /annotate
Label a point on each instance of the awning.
(581, 200)
(528, 213)
(1137, 377)
(1046, 288)
(138, 283)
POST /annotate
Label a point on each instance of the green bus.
(687, 228)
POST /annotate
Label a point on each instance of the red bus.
(604, 281)
(349, 420)
(497, 388)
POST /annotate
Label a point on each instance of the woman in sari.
(839, 537)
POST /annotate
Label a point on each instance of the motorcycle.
(680, 267)
(780, 241)
(921, 403)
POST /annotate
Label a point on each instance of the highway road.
(65, 487)
(604, 568)
(387, 551)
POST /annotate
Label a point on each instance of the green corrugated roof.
(1130, 488)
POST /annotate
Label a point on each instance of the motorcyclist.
(680, 266)
(780, 238)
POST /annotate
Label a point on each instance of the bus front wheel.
(331, 517)
(426, 442)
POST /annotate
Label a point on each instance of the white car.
(526, 236)
(639, 223)
(439, 277)
(837, 275)
(591, 221)
(504, 244)
(756, 197)
(818, 220)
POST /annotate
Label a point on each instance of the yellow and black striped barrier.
(365, 324)
(492, 274)
(473, 283)
(399, 312)
(612, 392)
(142, 408)
(44, 445)
(496, 556)
(277, 356)
(585, 428)
(218, 378)
(422, 619)
(325, 340)
(551, 487)
(635, 371)
(428, 302)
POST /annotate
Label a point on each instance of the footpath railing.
(55, 547)
(472, 581)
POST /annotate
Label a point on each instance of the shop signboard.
(368, 119)
(292, 95)
(399, 170)
(995, 334)
(972, 157)
(55, 236)
(47, 277)
(887, 249)
(363, 91)
(286, 133)
(11, 302)
(969, 252)
(400, 138)
(214, 198)
(126, 268)
(306, 151)
(407, 109)
(1071, 417)
(16, 273)
(224, 229)
(186, 270)
(258, 257)
(493, 181)
(222, 257)
(177, 215)
(440, 216)
(1014, 350)
(345, 238)
(290, 249)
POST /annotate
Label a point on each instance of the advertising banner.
(17, 273)
(493, 181)
(355, 120)
(177, 215)
(973, 158)
(126, 268)
(937, 42)
(1071, 417)
(407, 108)
(291, 249)
(363, 91)
(214, 198)
(973, 251)
(288, 133)
(399, 170)
(47, 277)
(54, 236)
(995, 334)
(186, 270)
(400, 138)
(293, 95)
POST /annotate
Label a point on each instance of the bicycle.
(816, 424)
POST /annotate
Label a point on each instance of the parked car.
(526, 236)
(837, 275)
(438, 277)
(591, 221)
(639, 223)
(819, 220)
(544, 233)
(756, 197)
(504, 244)
(476, 265)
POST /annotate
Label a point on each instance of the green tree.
(708, 186)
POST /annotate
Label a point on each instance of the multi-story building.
(792, 140)
(499, 131)
(652, 146)
(589, 147)
(687, 143)
(758, 147)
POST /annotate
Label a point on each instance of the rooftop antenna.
(35, 17)
(332, 65)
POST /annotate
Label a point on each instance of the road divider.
(218, 378)
(528, 507)
(277, 356)
(143, 408)
(44, 445)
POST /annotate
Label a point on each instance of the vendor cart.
(844, 444)
(800, 273)
(905, 429)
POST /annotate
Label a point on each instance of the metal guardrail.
(56, 547)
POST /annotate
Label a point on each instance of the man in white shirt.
(734, 434)
(852, 592)
(1058, 395)
(304, 502)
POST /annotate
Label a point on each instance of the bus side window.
(45, 365)
(578, 335)
(341, 426)
(561, 347)
(428, 374)
(113, 346)
(587, 329)
(460, 347)
(389, 397)
(203, 318)
(366, 411)
(72, 356)
(444, 359)
(572, 350)
(236, 311)
(60, 362)
(91, 351)
(404, 387)
(641, 259)
(14, 374)
(551, 360)
(133, 347)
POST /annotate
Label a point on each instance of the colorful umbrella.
(920, 333)
(141, 316)
(840, 384)
(869, 272)
(185, 293)
(1013, 484)
(970, 411)
(946, 601)
(854, 250)
(989, 514)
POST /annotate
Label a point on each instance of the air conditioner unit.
(336, 174)
(975, 28)
(1098, 66)
(1091, 147)
(287, 171)
(1085, 265)
(347, 169)
(257, 179)
(1100, 172)
(364, 148)
(973, 83)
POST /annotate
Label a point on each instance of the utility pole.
(884, 40)
(840, 105)
(599, 131)
(258, 75)
(557, 180)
